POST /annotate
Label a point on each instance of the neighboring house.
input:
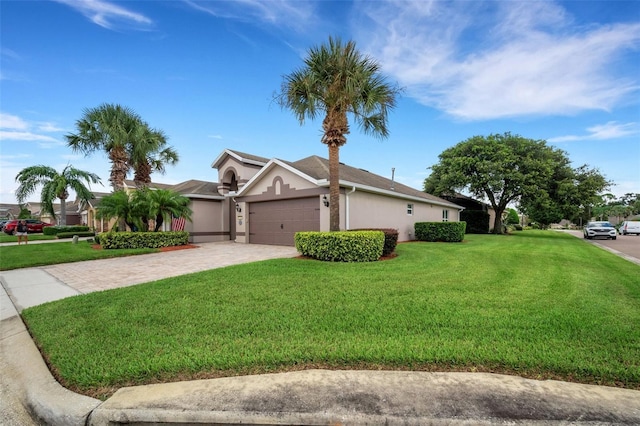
(9, 211)
(472, 204)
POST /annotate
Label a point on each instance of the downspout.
(353, 189)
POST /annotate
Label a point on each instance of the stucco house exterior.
(266, 201)
(258, 200)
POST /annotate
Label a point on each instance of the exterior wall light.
(238, 208)
(325, 201)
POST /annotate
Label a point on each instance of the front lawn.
(30, 255)
(537, 304)
(6, 238)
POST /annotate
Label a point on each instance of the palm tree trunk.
(334, 187)
(63, 211)
(119, 167)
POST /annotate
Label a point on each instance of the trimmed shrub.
(57, 229)
(390, 239)
(62, 235)
(344, 246)
(477, 221)
(132, 240)
(450, 232)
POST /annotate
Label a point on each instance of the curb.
(44, 398)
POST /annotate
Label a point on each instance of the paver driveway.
(103, 274)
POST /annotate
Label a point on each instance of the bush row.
(57, 229)
(450, 232)
(390, 239)
(62, 235)
(130, 240)
(344, 246)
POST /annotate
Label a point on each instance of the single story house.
(266, 201)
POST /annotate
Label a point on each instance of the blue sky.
(205, 72)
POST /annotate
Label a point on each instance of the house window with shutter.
(445, 215)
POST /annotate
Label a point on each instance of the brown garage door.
(276, 222)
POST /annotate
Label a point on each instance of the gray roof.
(196, 187)
(318, 168)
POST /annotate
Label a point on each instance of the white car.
(629, 227)
(599, 229)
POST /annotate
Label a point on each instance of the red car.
(33, 225)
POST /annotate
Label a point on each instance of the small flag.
(177, 224)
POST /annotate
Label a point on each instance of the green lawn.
(4, 238)
(538, 304)
(30, 255)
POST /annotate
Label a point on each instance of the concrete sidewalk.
(309, 397)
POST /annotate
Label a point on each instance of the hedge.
(451, 232)
(121, 240)
(341, 246)
(390, 238)
(57, 229)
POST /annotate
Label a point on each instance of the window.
(410, 209)
(445, 215)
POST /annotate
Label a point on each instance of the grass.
(31, 255)
(5, 238)
(536, 304)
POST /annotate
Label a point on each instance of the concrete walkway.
(304, 397)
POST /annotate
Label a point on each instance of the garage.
(276, 222)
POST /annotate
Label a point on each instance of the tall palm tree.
(110, 128)
(54, 185)
(150, 154)
(338, 80)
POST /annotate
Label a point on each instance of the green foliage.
(337, 80)
(506, 168)
(133, 240)
(54, 185)
(63, 235)
(512, 217)
(435, 307)
(346, 246)
(390, 239)
(450, 232)
(57, 229)
(24, 214)
(477, 221)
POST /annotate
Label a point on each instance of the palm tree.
(164, 203)
(338, 80)
(110, 128)
(54, 185)
(149, 154)
(118, 205)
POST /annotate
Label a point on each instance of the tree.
(109, 128)
(54, 185)
(163, 204)
(127, 140)
(512, 217)
(149, 154)
(336, 81)
(138, 207)
(502, 168)
(117, 205)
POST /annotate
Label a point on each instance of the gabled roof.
(315, 169)
(243, 157)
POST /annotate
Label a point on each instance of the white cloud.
(9, 121)
(289, 13)
(106, 14)
(610, 130)
(486, 60)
